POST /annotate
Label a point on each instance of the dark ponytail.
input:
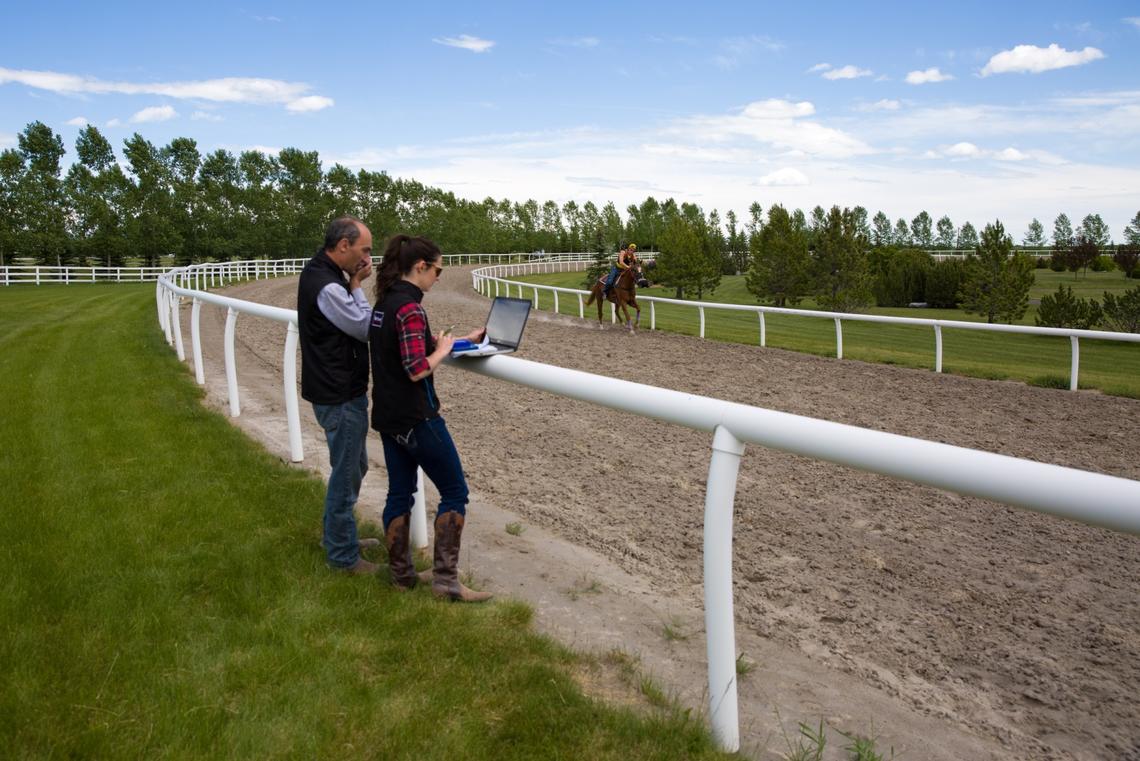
(402, 253)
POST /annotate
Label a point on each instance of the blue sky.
(974, 110)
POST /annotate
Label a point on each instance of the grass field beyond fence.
(163, 593)
(1110, 366)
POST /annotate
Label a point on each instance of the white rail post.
(176, 321)
(763, 330)
(653, 315)
(838, 338)
(555, 302)
(535, 297)
(1076, 363)
(937, 348)
(702, 311)
(419, 514)
(231, 364)
(159, 295)
(613, 313)
(724, 465)
(581, 308)
(196, 341)
(292, 407)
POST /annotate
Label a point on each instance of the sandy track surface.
(961, 628)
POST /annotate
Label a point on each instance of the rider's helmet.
(632, 246)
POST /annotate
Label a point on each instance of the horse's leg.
(637, 308)
(601, 300)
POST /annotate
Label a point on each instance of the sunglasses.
(438, 269)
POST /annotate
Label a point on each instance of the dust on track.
(962, 628)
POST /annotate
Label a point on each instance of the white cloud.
(963, 150)
(308, 103)
(224, 90)
(847, 72)
(786, 177)
(885, 104)
(1034, 60)
(114, 123)
(926, 76)
(79, 121)
(819, 67)
(1133, 20)
(7, 140)
(154, 114)
(778, 124)
(466, 42)
(205, 116)
(578, 42)
(735, 50)
(1011, 154)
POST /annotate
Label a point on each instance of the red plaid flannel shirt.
(412, 329)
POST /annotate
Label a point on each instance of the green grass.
(163, 592)
(1111, 366)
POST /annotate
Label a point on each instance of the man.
(626, 257)
(333, 316)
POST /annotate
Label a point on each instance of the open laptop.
(505, 326)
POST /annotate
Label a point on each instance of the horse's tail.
(593, 295)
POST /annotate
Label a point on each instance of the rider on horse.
(626, 259)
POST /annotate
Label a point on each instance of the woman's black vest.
(398, 404)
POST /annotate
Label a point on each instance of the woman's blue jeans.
(346, 430)
(428, 445)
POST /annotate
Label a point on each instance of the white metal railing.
(1092, 498)
(488, 279)
(217, 273)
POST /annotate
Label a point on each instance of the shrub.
(1126, 258)
(1063, 310)
(901, 278)
(1040, 262)
(943, 281)
(1102, 263)
(1122, 315)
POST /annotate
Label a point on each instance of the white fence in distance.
(1093, 498)
(488, 279)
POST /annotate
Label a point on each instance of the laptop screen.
(507, 319)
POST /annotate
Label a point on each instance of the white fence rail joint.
(1093, 498)
(483, 279)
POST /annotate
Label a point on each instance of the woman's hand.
(443, 343)
(475, 336)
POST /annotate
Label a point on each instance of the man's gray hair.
(342, 227)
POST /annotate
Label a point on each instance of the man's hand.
(363, 272)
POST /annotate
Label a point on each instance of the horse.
(623, 295)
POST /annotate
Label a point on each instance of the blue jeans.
(430, 447)
(346, 429)
(611, 278)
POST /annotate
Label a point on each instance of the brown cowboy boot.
(398, 537)
(445, 579)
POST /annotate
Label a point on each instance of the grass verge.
(1110, 366)
(163, 592)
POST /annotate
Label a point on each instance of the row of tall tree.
(172, 200)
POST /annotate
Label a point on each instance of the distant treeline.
(172, 200)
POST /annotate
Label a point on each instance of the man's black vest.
(398, 404)
(334, 365)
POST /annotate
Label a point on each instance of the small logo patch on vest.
(377, 318)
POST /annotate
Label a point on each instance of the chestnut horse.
(623, 295)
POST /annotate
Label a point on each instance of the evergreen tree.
(967, 237)
(1035, 235)
(996, 284)
(842, 275)
(880, 230)
(901, 235)
(1132, 231)
(920, 230)
(946, 237)
(780, 262)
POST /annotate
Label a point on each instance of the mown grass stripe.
(163, 592)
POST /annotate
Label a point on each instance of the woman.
(405, 410)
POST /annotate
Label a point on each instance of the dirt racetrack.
(961, 628)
